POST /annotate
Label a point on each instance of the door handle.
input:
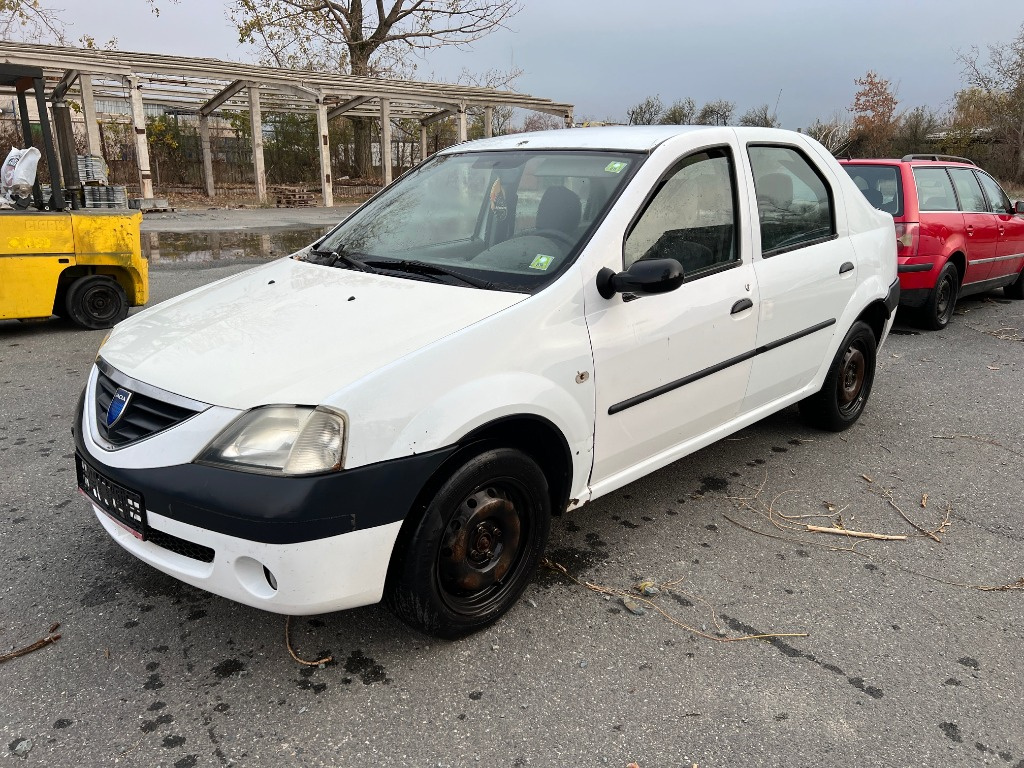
(741, 305)
(847, 267)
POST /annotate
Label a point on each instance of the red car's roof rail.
(948, 158)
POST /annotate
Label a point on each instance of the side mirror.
(1018, 207)
(643, 277)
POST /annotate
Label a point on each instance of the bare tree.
(646, 112)
(834, 134)
(916, 131)
(360, 37)
(718, 112)
(761, 116)
(30, 20)
(998, 85)
(682, 112)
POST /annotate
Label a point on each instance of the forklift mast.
(24, 79)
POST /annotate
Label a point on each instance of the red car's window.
(934, 190)
(972, 199)
(881, 185)
(998, 202)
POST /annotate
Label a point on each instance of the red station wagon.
(957, 232)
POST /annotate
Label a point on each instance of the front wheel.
(96, 302)
(473, 551)
(847, 386)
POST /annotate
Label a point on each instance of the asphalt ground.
(898, 653)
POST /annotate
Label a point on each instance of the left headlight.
(281, 440)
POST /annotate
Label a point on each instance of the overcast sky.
(604, 56)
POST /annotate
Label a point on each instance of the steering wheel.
(550, 234)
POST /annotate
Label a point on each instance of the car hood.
(289, 332)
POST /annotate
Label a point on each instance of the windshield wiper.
(423, 268)
(331, 258)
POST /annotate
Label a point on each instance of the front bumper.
(296, 545)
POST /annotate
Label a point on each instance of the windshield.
(509, 220)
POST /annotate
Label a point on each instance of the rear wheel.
(473, 551)
(938, 309)
(847, 385)
(1015, 290)
(96, 302)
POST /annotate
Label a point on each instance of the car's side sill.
(673, 385)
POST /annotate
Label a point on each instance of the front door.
(671, 367)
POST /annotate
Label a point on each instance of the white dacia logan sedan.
(517, 326)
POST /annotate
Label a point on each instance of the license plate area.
(123, 504)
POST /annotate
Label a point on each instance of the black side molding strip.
(892, 299)
(673, 385)
(918, 267)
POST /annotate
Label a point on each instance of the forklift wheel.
(96, 302)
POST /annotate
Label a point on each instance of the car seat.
(560, 210)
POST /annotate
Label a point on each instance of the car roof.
(627, 138)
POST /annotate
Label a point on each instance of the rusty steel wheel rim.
(852, 375)
(482, 548)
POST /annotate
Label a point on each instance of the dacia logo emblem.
(118, 405)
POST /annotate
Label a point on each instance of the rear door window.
(934, 190)
(794, 203)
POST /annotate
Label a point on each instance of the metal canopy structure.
(209, 85)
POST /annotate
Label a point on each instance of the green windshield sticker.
(541, 262)
(615, 166)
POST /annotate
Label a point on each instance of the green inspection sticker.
(615, 166)
(541, 262)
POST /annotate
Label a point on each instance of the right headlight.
(281, 440)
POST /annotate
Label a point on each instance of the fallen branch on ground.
(855, 534)
(50, 639)
(288, 642)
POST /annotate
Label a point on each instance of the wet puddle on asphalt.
(201, 247)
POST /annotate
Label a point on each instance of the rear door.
(1009, 256)
(980, 225)
(806, 273)
(941, 219)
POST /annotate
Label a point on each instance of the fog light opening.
(271, 579)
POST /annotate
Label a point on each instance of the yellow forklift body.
(37, 247)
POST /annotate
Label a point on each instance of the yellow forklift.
(57, 258)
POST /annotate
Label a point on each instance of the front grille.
(144, 415)
(180, 546)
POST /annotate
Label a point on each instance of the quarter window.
(971, 198)
(998, 202)
(934, 190)
(692, 216)
(794, 203)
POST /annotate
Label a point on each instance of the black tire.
(1015, 290)
(938, 309)
(475, 547)
(847, 386)
(96, 302)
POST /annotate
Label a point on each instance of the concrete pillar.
(325, 155)
(256, 122)
(463, 133)
(204, 142)
(423, 142)
(488, 122)
(141, 143)
(385, 140)
(92, 126)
